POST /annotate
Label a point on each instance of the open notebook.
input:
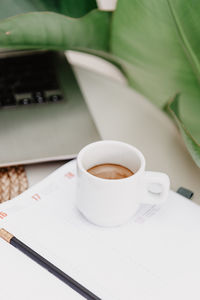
(154, 256)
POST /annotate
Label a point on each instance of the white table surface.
(122, 114)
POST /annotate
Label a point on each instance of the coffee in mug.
(110, 171)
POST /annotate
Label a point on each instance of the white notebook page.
(154, 257)
(21, 278)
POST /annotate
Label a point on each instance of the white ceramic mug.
(111, 202)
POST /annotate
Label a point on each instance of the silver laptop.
(43, 115)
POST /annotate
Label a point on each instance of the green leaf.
(192, 145)
(72, 8)
(76, 8)
(55, 31)
(159, 42)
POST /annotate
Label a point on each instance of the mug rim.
(137, 151)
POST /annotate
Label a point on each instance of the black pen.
(8, 237)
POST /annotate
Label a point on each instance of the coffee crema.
(110, 171)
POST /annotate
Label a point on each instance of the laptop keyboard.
(28, 79)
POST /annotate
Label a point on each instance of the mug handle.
(157, 186)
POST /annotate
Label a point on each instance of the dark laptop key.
(9, 100)
(9, 81)
(25, 101)
(55, 98)
(20, 89)
(38, 97)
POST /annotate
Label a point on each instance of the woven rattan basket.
(13, 181)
